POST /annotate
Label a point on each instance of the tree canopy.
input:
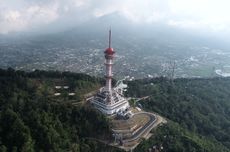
(199, 107)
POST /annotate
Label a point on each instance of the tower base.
(109, 102)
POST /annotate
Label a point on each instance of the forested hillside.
(199, 110)
(32, 120)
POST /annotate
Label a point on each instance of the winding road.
(145, 129)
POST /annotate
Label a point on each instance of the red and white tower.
(108, 100)
(109, 55)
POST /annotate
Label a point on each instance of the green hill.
(32, 119)
(199, 110)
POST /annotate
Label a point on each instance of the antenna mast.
(109, 37)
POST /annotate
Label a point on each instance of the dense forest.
(198, 112)
(32, 120)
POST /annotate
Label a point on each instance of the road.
(145, 129)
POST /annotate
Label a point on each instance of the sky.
(32, 15)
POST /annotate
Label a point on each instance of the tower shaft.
(108, 75)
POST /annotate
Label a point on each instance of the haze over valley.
(145, 50)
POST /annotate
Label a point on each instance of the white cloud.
(188, 24)
(41, 14)
(25, 17)
(20, 15)
(11, 21)
(209, 14)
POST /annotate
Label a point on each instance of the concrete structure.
(108, 100)
(121, 87)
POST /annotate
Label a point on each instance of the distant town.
(134, 58)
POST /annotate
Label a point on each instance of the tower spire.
(110, 37)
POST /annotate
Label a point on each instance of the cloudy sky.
(29, 15)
